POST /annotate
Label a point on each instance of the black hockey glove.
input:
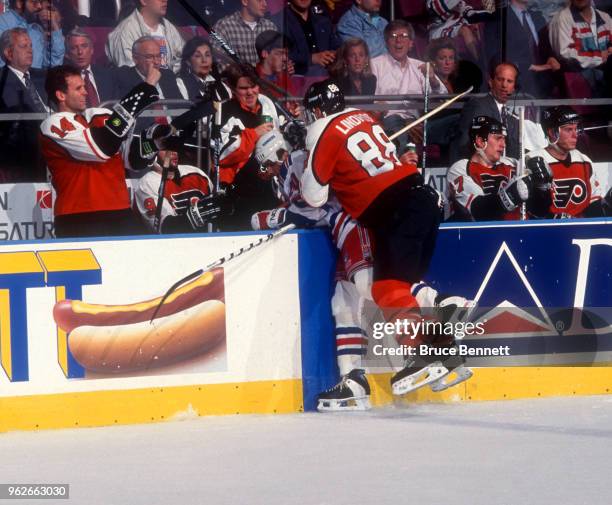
(515, 192)
(294, 132)
(208, 209)
(540, 174)
(129, 107)
(156, 138)
(109, 137)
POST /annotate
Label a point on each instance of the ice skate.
(351, 393)
(451, 309)
(457, 373)
(416, 374)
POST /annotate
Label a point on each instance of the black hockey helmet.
(324, 95)
(556, 117)
(483, 126)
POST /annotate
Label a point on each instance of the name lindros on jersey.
(347, 124)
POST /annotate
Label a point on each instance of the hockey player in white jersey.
(187, 203)
(353, 273)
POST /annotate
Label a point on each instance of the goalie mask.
(325, 96)
(270, 148)
(554, 118)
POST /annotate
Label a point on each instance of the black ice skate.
(351, 393)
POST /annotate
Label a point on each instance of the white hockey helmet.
(270, 148)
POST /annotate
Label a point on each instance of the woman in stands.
(198, 71)
(351, 69)
(442, 55)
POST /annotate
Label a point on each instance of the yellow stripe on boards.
(103, 408)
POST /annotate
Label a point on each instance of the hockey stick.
(161, 191)
(521, 167)
(221, 261)
(425, 110)
(433, 112)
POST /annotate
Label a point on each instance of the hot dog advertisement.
(92, 315)
(128, 338)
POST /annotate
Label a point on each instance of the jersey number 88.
(376, 155)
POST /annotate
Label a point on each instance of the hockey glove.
(513, 193)
(540, 174)
(208, 209)
(276, 218)
(130, 106)
(294, 133)
(155, 138)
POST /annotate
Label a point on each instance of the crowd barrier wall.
(269, 346)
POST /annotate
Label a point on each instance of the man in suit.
(502, 84)
(527, 46)
(21, 90)
(146, 53)
(99, 81)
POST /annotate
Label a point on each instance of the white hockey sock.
(425, 295)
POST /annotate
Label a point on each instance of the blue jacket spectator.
(362, 21)
(28, 19)
(311, 36)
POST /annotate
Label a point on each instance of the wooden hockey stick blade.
(431, 113)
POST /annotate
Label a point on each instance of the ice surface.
(545, 451)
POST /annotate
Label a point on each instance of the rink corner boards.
(268, 346)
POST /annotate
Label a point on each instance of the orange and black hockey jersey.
(350, 152)
(84, 178)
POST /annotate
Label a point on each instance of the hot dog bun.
(70, 314)
(142, 345)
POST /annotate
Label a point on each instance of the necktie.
(39, 105)
(529, 36)
(504, 116)
(93, 100)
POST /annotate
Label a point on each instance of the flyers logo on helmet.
(568, 191)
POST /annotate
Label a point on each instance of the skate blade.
(457, 376)
(417, 380)
(350, 404)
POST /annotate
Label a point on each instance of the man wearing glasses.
(398, 74)
(24, 14)
(146, 53)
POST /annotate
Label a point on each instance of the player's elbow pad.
(106, 141)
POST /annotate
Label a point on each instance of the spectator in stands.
(527, 46)
(21, 90)
(198, 70)
(352, 71)
(502, 84)
(100, 82)
(363, 21)
(245, 118)
(442, 54)
(457, 18)
(581, 36)
(274, 63)
(241, 28)
(25, 14)
(147, 53)
(397, 74)
(311, 35)
(146, 20)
